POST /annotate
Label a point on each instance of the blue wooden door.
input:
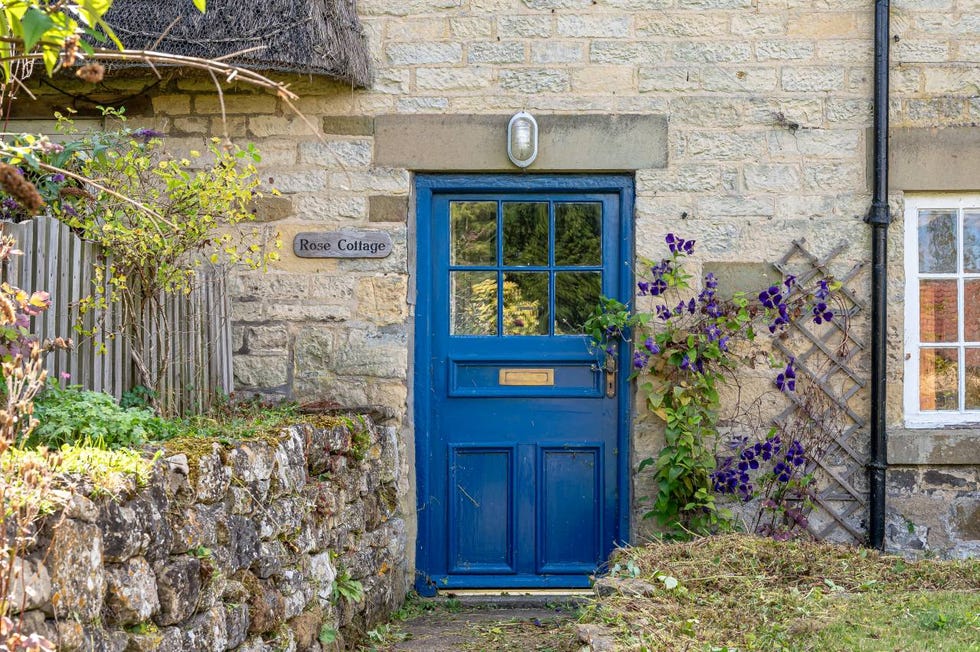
(521, 451)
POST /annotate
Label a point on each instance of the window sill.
(949, 445)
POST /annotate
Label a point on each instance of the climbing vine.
(687, 346)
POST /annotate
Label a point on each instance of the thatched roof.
(321, 37)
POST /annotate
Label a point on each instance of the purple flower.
(822, 313)
(771, 298)
(146, 135)
(823, 291)
(710, 281)
(679, 245)
(789, 281)
(786, 380)
(723, 344)
(640, 359)
(57, 177)
(663, 313)
(651, 345)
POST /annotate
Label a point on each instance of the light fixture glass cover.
(522, 139)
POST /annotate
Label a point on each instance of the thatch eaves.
(319, 37)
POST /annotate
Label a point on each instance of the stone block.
(627, 53)
(711, 51)
(131, 597)
(495, 52)
(468, 28)
(165, 639)
(207, 631)
(388, 208)
(534, 80)
(524, 26)
(298, 180)
(784, 50)
(812, 79)
(266, 608)
(341, 154)
(29, 585)
(470, 78)
(593, 26)
(772, 177)
(324, 208)
(267, 372)
(741, 277)
(270, 208)
(681, 24)
(417, 54)
(212, 477)
(382, 300)
(551, 52)
(348, 125)
(77, 575)
(236, 624)
(178, 588)
(603, 79)
(236, 104)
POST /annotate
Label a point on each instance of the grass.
(745, 593)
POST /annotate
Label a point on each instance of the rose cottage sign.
(348, 243)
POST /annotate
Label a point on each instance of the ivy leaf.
(34, 23)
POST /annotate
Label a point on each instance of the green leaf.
(200, 5)
(35, 23)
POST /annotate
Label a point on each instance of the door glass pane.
(473, 232)
(938, 379)
(526, 303)
(972, 379)
(576, 296)
(525, 233)
(971, 311)
(578, 234)
(474, 303)
(937, 311)
(937, 241)
(971, 242)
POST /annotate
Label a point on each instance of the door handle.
(611, 374)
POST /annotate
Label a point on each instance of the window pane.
(473, 232)
(937, 311)
(937, 241)
(576, 296)
(938, 379)
(578, 234)
(971, 241)
(474, 303)
(971, 311)
(526, 303)
(973, 379)
(525, 233)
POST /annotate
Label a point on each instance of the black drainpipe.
(878, 218)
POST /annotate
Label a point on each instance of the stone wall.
(234, 546)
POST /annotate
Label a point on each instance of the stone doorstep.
(502, 600)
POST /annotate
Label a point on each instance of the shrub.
(72, 416)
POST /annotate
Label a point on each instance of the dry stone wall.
(230, 547)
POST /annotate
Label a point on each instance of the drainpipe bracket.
(879, 215)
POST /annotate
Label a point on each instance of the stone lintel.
(934, 159)
(478, 143)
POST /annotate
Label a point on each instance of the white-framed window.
(942, 310)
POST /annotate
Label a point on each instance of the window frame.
(914, 416)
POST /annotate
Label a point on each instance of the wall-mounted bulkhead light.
(522, 139)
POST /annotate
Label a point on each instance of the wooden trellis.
(831, 358)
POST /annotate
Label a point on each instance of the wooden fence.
(196, 341)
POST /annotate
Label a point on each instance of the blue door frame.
(507, 544)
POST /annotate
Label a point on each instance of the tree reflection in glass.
(937, 242)
(473, 232)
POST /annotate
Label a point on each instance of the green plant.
(344, 586)
(327, 634)
(72, 415)
(685, 353)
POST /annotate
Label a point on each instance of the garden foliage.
(687, 346)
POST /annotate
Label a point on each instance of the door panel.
(521, 438)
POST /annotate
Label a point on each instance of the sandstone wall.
(229, 547)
